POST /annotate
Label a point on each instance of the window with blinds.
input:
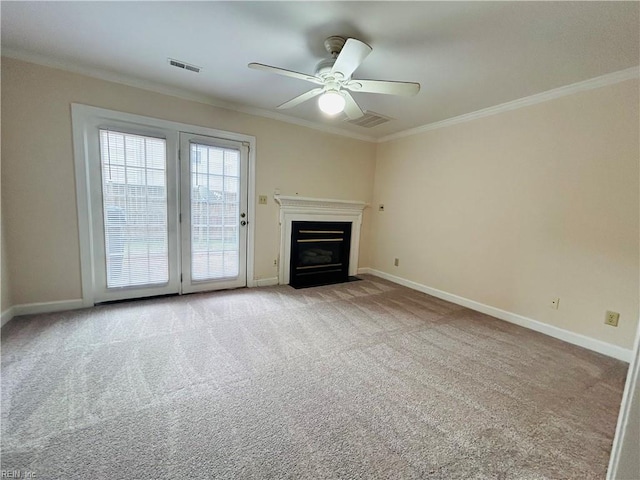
(215, 210)
(134, 197)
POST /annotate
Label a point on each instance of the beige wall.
(38, 174)
(509, 210)
(514, 209)
(5, 300)
(5, 286)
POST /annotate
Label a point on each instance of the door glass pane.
(215, 212)
(134, 187)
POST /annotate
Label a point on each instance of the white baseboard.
(559, 333)
(41, 307)
(7, 315)
(62, 305)
(266, 282)
(47, 307)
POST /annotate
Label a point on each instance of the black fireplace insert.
(319, 253)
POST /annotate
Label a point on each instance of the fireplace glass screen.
(319, 253)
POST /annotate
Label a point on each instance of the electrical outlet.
(611, 318)
(262, 199)
(381, 207)
(555, 303)
(396, 262)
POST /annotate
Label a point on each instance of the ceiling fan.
(334, 77)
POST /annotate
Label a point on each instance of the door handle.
(243, 223)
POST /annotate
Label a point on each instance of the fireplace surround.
(305, 209)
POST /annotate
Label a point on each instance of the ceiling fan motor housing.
(324, 66)
(334, 45)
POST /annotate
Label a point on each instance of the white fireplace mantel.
(305, 209)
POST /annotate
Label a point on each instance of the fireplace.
(295, 209)
(319, 253)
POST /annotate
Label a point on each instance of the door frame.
(85, 120)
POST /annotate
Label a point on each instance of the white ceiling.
(466, 55)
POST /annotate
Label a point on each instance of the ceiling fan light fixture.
(331, 102)
(334, 77)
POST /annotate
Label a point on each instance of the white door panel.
(134, 214)
(214, 212)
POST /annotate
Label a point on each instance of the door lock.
(243, 223)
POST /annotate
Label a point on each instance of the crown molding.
(597, 82)
(173, 91)
(101, 74)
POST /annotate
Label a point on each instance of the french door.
(214, 213)
(168, 212)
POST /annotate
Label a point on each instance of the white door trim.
(84, 119)
(625, 445)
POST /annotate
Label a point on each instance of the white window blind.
(134, 189)
(215, 212)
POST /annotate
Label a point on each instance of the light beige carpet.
(358, 380)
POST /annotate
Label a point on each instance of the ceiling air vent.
(183, 65)
(369, 120)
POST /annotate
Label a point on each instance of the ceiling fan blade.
(350, 57)
(351, 108)
(384, 86)
(301, 98)
(286, 73)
